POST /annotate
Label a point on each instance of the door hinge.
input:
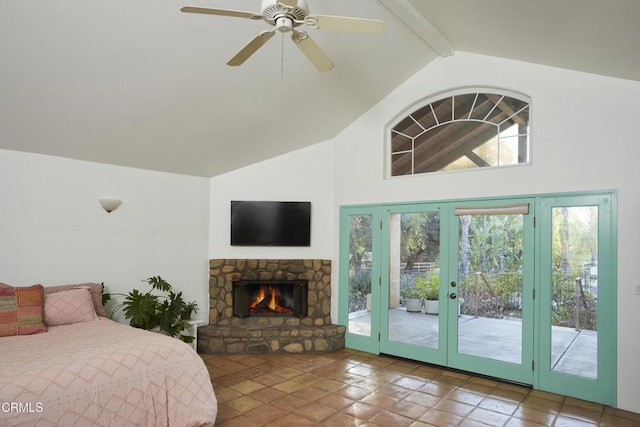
(534, 221)
(533, 365)
(380, 224)
(534, 293)
(378, 336)
(380, 281)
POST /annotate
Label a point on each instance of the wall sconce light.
(109, 205)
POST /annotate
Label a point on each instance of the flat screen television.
(270, 223)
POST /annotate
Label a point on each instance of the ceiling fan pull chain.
(282, 56)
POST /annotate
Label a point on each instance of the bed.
(99, 372)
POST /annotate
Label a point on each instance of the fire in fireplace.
(270, 298)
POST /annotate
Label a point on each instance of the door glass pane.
(414, 273)
(490, 286)
(360, 258)
(574, 304)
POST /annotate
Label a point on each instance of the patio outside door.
(412, 326)
(577, 298)
(492, 245)
(473, 260)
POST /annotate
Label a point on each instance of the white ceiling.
(138, 83)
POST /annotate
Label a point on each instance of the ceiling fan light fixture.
(284, 25)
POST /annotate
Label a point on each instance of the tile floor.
(352, 388)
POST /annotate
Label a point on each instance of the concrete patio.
(572, 352)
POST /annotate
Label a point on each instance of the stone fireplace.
(234, 327)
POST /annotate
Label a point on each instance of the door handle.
(452, 295)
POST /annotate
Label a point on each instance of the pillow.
(70, 306)
(94, 288)
(21, 311)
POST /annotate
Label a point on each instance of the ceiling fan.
(285, 16)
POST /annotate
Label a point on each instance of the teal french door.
(577, 297)
(491, 245)
(404, 333)
(360, 272)
(506, 275)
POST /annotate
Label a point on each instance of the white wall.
(303, 175)
(584, 136)
(53, 231)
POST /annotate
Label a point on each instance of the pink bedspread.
(102, 373)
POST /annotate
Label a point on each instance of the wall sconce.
(109, 205)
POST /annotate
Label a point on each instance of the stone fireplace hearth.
(310, 333)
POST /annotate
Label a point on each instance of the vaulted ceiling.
(138, 83)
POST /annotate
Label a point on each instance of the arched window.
(462, 131)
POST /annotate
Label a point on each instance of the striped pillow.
(21, 310)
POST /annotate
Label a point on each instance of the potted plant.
(429, 293)
(166, 312)
(411, 298)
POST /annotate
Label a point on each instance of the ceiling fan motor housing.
(271, 12)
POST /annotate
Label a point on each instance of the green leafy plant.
(428, 290)
(166, 311)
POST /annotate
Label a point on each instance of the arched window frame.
(406, 114)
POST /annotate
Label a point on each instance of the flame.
(272, 303)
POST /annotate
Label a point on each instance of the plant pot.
(432, 306)
(413, 304)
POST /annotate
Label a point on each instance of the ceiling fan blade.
(251, 48)
(369, 27)
(290, 3)
(312, 51)
(221, 12)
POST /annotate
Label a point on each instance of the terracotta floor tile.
(265, 413)
(243, 404)
(562, 421)
(315, 411)
(408, 409)
(437, 389)
(289, 402)
(386, 418)
(498, 405)
(311, 393)
(622, 414)
(361, 411)
(350, 388)
(247, 387)
(440, 419)
(580, 413)
(335, 401)
(288, 373)
(241, 421)
(341, 419)
(409, 382)
(534, 415)
(487, 417)
(269, 379)
(353, 392)
(291, 420)
(379, 399)
(540, 404)
(453, 407)
(465, 397)
(266, 394)
(423, 399)
(288, 386)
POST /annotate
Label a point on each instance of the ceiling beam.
(420, 25)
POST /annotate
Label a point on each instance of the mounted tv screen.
(264, 223)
